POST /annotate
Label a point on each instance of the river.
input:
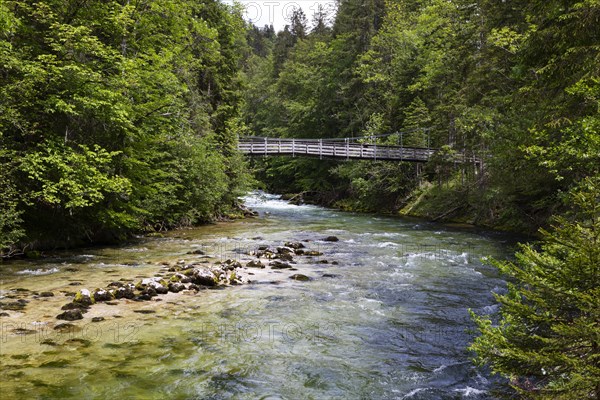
(385, 318)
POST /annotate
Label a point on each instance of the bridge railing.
(343, 148)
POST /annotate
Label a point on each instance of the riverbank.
(36, 249)
(445, 203)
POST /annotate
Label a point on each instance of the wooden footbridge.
(345, 148)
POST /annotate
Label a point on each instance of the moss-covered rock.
(204, 277)
(156, 284)
(103, 295)
(125, 292)
(84, 297)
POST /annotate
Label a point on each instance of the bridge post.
(293, 147)
(266, 152)
(401, 146)
(375, 149)
(320, 149)
(347, 149)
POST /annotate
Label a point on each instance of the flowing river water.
(385, 318)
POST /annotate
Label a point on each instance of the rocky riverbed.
(172, 282)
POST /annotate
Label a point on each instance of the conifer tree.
(547, 341)
(416, 120)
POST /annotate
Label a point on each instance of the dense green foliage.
(517, 83)
(117, 116)
(548, 337)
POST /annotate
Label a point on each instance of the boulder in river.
(300, 277)
(12, 306)
(265, 254)
(276, 264)
(176, 287)
(285, 250)
(46, 294)
(125, 292)
(157, 284)
(294, 245)
(75, 306)
(198, 252)
(285, 257)
(84, 297)
(255, 264)
(180, 278)
(144, 311)
(312, 253)
(230, 265)
(331, 239)
(70, 315)
(67, 328)
(148, 292)
(103, 295)
(204, 277)
(161, 289)
(24, 331)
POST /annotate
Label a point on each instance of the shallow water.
(389, 321)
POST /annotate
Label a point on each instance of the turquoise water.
(388, 321)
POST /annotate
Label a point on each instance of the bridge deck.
(343, 149)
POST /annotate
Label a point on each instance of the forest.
(515, 83)
(117, 117)
(122, 117)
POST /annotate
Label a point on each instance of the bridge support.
(320, 149)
